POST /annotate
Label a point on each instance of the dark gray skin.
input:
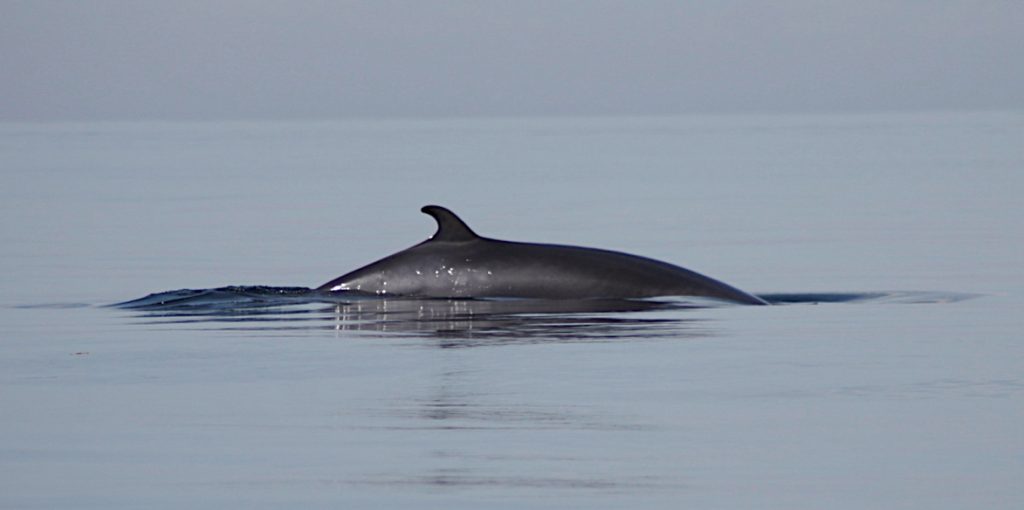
(457, 263)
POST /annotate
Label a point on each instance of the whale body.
(457, 263)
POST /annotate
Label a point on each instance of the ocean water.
(889, 374)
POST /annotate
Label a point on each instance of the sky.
(288, 59)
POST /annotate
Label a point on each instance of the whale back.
(456, 262)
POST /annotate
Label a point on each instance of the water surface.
(888, 375)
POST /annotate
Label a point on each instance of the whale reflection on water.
(517, 320)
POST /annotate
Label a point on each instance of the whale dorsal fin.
(449, 226)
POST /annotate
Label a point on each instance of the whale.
(457, 263)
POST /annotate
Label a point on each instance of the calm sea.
(890, 376)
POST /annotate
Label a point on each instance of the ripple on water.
(462, 322)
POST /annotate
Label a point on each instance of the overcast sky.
(233, 59)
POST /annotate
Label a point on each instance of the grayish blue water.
(895, 381)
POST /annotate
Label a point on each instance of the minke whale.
(457, 263)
